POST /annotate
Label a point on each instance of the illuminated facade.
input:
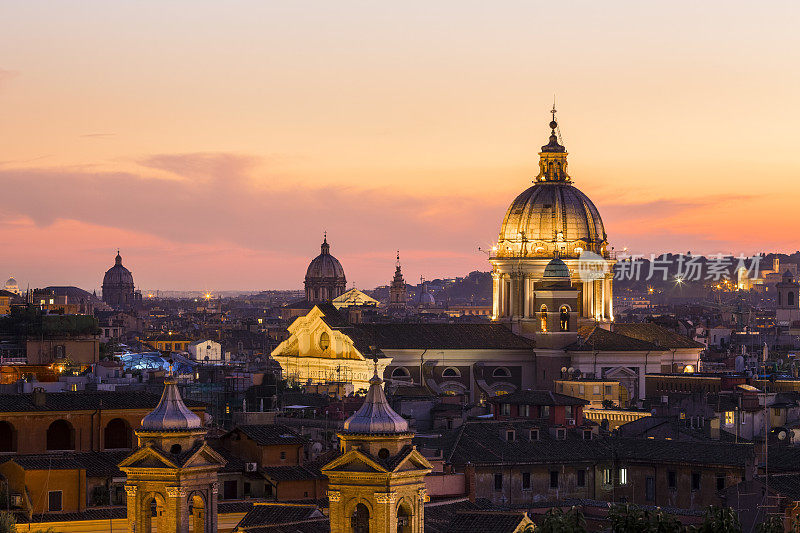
(551, 219)
(317, 352)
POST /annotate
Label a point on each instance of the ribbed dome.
(556, 269)
(551, 212)
(552, 215)
(375, 415)
(171, 413)
(325, 266)
(118, 275)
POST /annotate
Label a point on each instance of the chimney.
(469, 474)
(713, 428)
(38, 396)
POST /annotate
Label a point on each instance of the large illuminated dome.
(552, 215)
(551, 219)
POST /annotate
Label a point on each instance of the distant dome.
(171, 414)
(375, 415)
(556, 268)
(325, 278)
(118, 287)
(11, 283)
(118, 274)
(325, 265)
(427, 299)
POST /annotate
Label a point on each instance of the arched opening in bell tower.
(564, 318)
(153, 514)
(359, 522)
(404, 515)
(197, 514)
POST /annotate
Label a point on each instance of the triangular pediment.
(353, 461)
(413, 461)
(204, 456)
(147, 457)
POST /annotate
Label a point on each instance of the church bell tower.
(377, 484)
(397, 290)
(171, 479)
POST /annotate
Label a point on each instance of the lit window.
(623, 476)
(728, 418)
(606, 476)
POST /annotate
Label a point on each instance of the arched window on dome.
(564, 318)
(543, 318)
(451, 372)
(578, 250)
(501, 372)
(401, 372)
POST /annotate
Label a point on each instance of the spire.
(375, 415)
(397, 264)
(553, 145)
(118, 259)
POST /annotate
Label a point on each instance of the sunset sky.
(213, 142)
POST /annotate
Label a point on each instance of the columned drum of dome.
(325, 278)
(550, 218)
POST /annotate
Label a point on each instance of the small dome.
(118, 275)
(325, 266)
(11, 282)
(171, 414)
(556, 268)
(375, 415)
(427, 299)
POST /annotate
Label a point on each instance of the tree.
(8, 524)
(719, 520)
(557, 521)
(773, 524)
(626, 518)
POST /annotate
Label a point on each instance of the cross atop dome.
(553, 146)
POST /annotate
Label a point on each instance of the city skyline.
(214, 146)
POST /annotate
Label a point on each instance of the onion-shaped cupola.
(171, 414)
(375, 416)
